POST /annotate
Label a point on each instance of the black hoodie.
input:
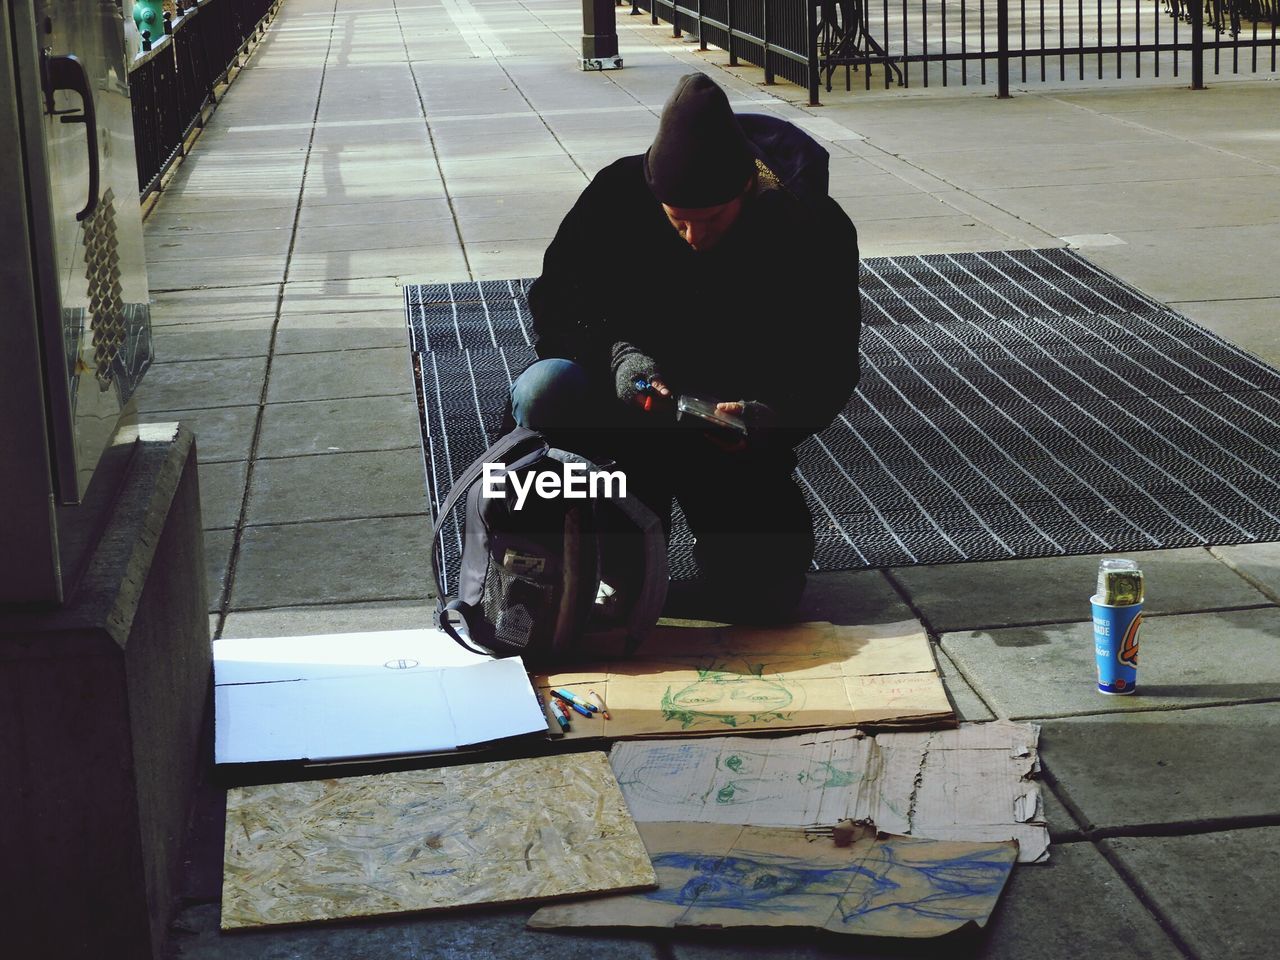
(771, 313)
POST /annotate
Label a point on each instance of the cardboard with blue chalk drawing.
(725, 875)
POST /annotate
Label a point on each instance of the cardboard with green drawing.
(977, 782)
(690, 680)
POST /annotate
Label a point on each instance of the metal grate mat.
(1012, 404)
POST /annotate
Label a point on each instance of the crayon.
(604, 710)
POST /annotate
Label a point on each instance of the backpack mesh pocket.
(514, 605)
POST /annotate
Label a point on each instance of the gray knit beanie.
(700, 156)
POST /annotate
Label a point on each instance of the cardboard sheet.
(715, 680)
(502, 832)
(972, 783)
(733, 876)
(353, 695)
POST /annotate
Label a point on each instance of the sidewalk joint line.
(431, 138)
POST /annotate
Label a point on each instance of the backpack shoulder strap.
(652, 592)
(519, 439)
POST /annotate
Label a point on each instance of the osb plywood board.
(973, 783)
(503, 832)
(721, 875)
(715, 680)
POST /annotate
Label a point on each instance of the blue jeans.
(551, 394)
(751, 523)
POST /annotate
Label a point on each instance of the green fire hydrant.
(149, 16)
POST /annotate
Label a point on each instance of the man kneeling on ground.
(715, 266)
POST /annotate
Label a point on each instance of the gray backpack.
(528, 578)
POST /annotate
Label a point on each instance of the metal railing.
(946, 42)
(172, 83)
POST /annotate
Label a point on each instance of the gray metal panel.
(29, 570)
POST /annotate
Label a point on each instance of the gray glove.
(629, 366)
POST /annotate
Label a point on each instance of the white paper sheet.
(357, 695)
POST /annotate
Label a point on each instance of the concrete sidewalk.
(369, 144)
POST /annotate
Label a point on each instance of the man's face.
(704, 227)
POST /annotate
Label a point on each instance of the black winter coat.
(771, 313)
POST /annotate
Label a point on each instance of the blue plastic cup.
(1115, 645)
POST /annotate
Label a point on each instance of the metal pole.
(1002, 50)
(1197, 50)
(768, 64)
(599, 36)
(811, 26)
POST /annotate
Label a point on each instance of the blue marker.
(575, 707)
(571, 698)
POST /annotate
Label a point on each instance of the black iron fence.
(172, 83)
(945, 42)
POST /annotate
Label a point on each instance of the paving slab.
(1259, 563)
(1210, 887)
(222, 433)
(1075, 905)
(191, 305)
(337, 561)
(340, 426)
(313, 216)
(379, 371)
(1186, 660)
(538, 146)
(919, 124)
(540, 227)
(212, 340)
(1246, 323)
(164, 222)
(1084, 208)
(222, 487)
(202, 384)
(1194, 263)
(503, 182)
(341, 296)
(501, 260)
(325, 332)
(852, 598)
(342, 170)
(165, 246)
(375, 236)
(1057, 589)
(1139, 157)
(174, 202)
(1166, 767)
(331, 618)
(470, 935)
(421, 262)
(217, 272)
(551, 206)
(338, 486)
(331, 191)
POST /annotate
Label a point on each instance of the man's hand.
(757, 416)
(637, 380)
(658, 394)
